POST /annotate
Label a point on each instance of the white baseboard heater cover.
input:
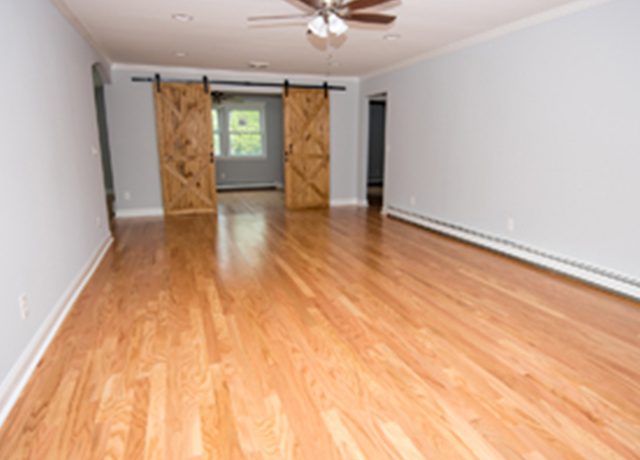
(591, 274)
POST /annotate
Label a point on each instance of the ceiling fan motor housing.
(329, 15)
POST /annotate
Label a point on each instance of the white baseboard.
(139, 212)
(14, 383)
(340, 202)
(607, 279)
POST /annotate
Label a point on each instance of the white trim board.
(600, 277)
(159, 212)
(139, 212)
(20, 373)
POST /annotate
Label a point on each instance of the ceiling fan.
(329, 16)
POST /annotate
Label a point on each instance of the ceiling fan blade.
(370, 18)
(362, 4)
(275, 18)
(312, 3)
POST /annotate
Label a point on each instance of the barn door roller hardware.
(158, 80)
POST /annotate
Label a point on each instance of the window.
(239, 131)
(217, 145)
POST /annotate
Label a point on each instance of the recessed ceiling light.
(182, 17)
(392, 37)
(181, 54)
(258, 64)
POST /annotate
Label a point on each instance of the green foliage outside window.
(243, 136)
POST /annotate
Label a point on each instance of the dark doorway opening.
(377, 147)
(103, 132)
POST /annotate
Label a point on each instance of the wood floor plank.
(332, 334)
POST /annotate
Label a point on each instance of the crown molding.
(540, 18)
(102, 55)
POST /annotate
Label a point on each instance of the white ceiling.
(143, 32)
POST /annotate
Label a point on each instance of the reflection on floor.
(333, 334)
(250, 202)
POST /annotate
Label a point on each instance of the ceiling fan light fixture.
(318, 26)
(332, 17)
(336, 25)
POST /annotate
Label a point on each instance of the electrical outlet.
(23, 303)
(412, 200)
(94, 151)
(98, 222)
(127, 196)
(511, 224)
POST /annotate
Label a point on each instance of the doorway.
(210, 142)
(248, 149)
(376, 153)
(272, 142)
(248, 141)
(103, 134)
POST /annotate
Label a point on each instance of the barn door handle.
(211, 158)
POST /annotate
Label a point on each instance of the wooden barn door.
(306, 162)
(185, 145)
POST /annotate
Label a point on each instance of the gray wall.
(542, 125)
(51, 186)
(377, 124)
(133, 136)
(247, 171)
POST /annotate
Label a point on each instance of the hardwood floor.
(250, 201)
(262, 334)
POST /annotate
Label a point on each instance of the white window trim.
(223, 119)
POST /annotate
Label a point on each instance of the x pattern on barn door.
(307, 156)
(183, 115)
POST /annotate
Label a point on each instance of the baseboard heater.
(250, 186)
(591, 274)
